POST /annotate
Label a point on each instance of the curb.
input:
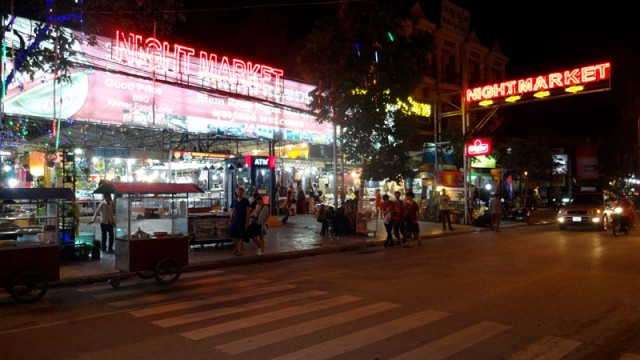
(254, 259)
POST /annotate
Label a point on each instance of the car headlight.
(618, 210)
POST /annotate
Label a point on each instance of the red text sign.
(479, 146)
(152, 55)
(564, 79)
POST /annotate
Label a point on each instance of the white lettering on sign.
(220, 72)
(583, 75)
(481, 146)
(261, 162)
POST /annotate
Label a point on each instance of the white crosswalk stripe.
(196, 304)
(183, 277)
(366, 337)
(213, 313)
(212, 300)
(268, 317)
(199, 292)
(115, 293)
(289, 332)
(454, 343)
(548, 348)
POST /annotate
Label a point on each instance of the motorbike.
(620, 223)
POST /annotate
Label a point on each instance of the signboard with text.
(479, 146)
(138, 82)
(578, 80)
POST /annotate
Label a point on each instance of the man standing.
(239, 221)
(494, 212)
(107, 221)
(411, 214)
(445, 209)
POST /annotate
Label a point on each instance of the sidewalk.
(299, 237)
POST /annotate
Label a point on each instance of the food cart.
(29, 240)
(366, 218)
(151, 230)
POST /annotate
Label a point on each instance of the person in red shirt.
(397, 216)
(385, 207)
(411, 215)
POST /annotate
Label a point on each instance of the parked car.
(587, 209)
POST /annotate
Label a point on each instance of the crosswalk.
(224, 309)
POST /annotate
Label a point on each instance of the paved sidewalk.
(299, 237)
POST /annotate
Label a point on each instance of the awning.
(146, 188)
(36, 194)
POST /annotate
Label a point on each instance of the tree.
(52, 48)
(364, 60)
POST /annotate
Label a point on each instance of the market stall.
(367, 218)
(29, 240)
(151, 228)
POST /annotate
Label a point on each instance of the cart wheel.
(114, 281)
(167, 271)
(145, 274)
(28, 286)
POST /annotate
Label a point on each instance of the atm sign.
(479, 146)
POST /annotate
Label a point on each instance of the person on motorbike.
(628, 210)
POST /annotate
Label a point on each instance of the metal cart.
(29, 240)
(151, 229)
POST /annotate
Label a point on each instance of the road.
(523, 293)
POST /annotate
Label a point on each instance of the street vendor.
(107, 221)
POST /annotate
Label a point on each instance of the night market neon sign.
(592, 77)
(153, 55)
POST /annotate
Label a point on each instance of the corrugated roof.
(146, 188)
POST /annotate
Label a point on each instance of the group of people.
(401, 219)
(341, 221)
(248, 221)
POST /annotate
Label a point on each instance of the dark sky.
(539, 37)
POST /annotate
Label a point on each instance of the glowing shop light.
(512, 99)
(486, 102)
(574, 89)
(556, 80)
(541, 94)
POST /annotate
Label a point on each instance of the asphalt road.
(523, 293)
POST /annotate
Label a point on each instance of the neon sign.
(153, 55)
(589, 77)
(479, 146)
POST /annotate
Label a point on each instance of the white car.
(592, 209)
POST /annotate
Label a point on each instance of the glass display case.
(366, 218)
(29, 240)
(151, 229)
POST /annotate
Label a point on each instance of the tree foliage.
(363, 60)
(53, 47)
(531, 154)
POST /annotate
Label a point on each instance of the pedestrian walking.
(397, 216)
(239, 221)
(494, 212)
(107, 222)
(411, 215)
(386, 208)
(445, 209)
(258, 227)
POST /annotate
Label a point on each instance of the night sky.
(539, 37)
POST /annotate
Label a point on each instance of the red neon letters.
(583, 75)
(479, 146)
(152, 55)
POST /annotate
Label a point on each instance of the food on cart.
(8, 243)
